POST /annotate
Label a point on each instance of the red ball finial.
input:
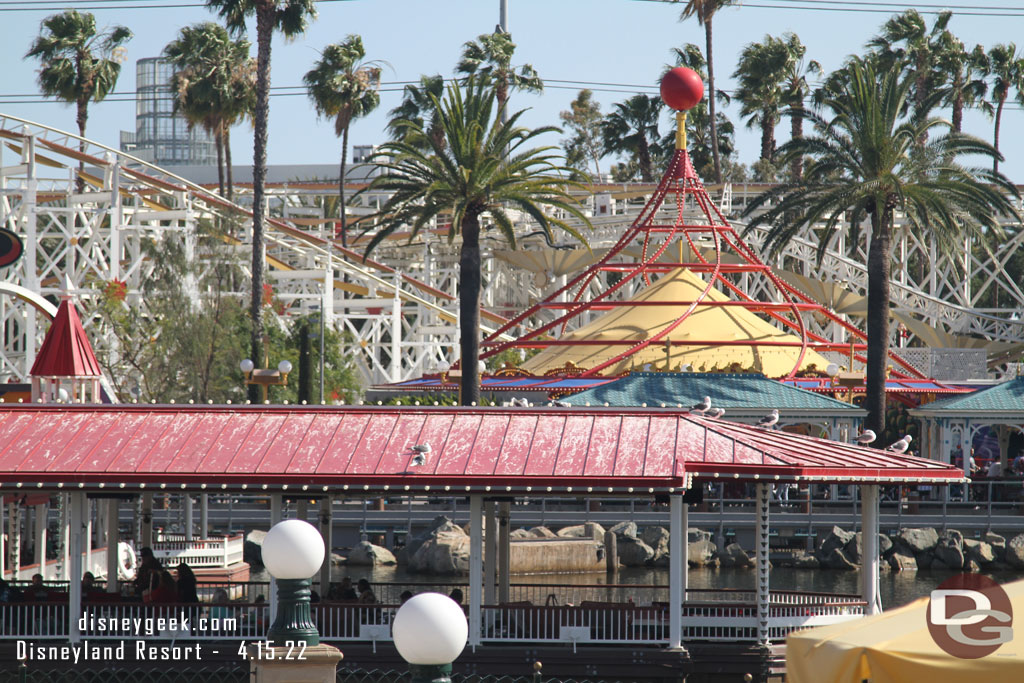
(682, 88)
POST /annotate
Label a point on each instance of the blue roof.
(1005, 397)
(737, 391)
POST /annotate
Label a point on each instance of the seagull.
(716, 413)
(702, 407)
(520, 403)
(866, 437)
(422, 448)
(900, 446)
(561, 404)
(418, 460)
(768, 421)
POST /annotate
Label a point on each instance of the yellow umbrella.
(896, 647)
(696, 342)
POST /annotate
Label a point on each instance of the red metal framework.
(681, 183)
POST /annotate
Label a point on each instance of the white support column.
(275, 517)
(327, 532)
(676, 562)
(686, 547)
(396, 332)
(763, 497)
(77, 538)
(476, 579)
(3, 541)
(113, 509)
(65, 537)
(204, 515)
(504, 552)
(87, 506)
(40, 538)
(490, 551)
(186, 502)
(869, 545)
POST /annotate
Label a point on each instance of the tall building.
(162, 137)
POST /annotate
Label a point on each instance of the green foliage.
(631, 128)
(489, 58)
(341, 86)
(419, 106)
(424, 399)
(583, 121)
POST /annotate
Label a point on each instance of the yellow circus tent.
(896, 647)
(697, 342)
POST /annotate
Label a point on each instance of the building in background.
(162, 137)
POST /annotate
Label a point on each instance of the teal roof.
(736, 391)
(1005, 397)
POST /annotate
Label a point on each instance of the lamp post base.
(294, 623)
(314, 664)
(431, 673)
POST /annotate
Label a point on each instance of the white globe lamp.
(430, 632)
(293, 551)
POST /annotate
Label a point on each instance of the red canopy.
(66, 351)
(517, 450)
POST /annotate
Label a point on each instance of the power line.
(48, 6)
(860, 6)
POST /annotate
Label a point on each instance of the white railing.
(199, 552)
(34, 621)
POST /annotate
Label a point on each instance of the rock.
(837, 559)
(1015, 552)
(804, 560)
(938, 565)
(446, 552)
(413, 544)
(701, 553)
(949, 553)
(972, 566)
(337, 560)
(588, 530)
(252, 549)
(624, 529)
(918, 540)
(542, 532)
(657, 538)
(955, 536)
(998, 544)
(367, 554)
(694, 535)
(521, 533)
(902, 563)
(855, 547)
(979, 552)
(633, 552)
(734, 556)
(837, 538)
(924, 560)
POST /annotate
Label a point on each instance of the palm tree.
(485, 166)
(213, 86)
(342, 86)
(705, 10)
(290, 17)
(1006, 68)
(632, 127)
(868, 160)
(760, 73)
(418, 105)
(78, 64)
(795, 91)
(966, 86)
(490, 56)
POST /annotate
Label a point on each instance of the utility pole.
(503, 15)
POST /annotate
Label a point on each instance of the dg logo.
(970, 616)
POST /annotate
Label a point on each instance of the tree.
(485, 166)
(418, 105)
(868, 160)
(78, 64)
(632, 128)
(213, 86)
(795, 91)
(704, 11)
(342, 86)
(966, 86)
(490, 56)
(1006, 68)
(583, 119)
(760, 73)
(290, 17)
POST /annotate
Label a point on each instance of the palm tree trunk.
(995, 139)
(81, 118)
(879, 262)
(469, 310)
(264, 33)
(711, 101)
(230, 186)
(218, 141)
(958, 103)
(341, 187)
(796, 132)
(643, 157)
(767, 137)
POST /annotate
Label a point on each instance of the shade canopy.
(712, 337)
(1000, 400)
(66, 351)
(896, 647)
(519, 450)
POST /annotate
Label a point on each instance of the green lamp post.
(293, 551)
(430, 632)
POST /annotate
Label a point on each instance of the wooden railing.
(199, 552)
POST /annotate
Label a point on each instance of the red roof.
(66, 351)
(485, 449)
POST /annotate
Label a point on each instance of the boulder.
(734, 556)
(949, 553)
(1015, 552)
(918, 540)
(521, 533)
(837, 559)
(855, 547)
(633, 552)
(971, 566)
(589, 530)
(367, 554)
(701, 553)
(445, 552)
(624, 529)
(413, 543)
(657, 538)
(998, 544)
(252, 549)
(694, 535)
(804, 560)
(902, 563)
(938, 565)
(542, 532)
(924, 560)
(979, 552)
(837, 538)
(337, 560)
(953, 535)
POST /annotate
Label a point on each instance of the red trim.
(66, 351)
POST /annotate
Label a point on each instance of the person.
(166, 590)
(366, 595)
(147, 577)
(219, 608)
(186, 583)
(37, 591)
(404, 597)
(88, 583)
(1018, 464)
(346, 593)
(456, 595)
(9, 593)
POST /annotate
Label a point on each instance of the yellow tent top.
(697, 342)
(896, 647)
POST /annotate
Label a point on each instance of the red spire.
(66, 351)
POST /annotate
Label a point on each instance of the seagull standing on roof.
(716, 413)
(866, 437)
(900, 446)
(702, 407)
(768, 421)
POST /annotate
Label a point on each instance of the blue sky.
(609, 41)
